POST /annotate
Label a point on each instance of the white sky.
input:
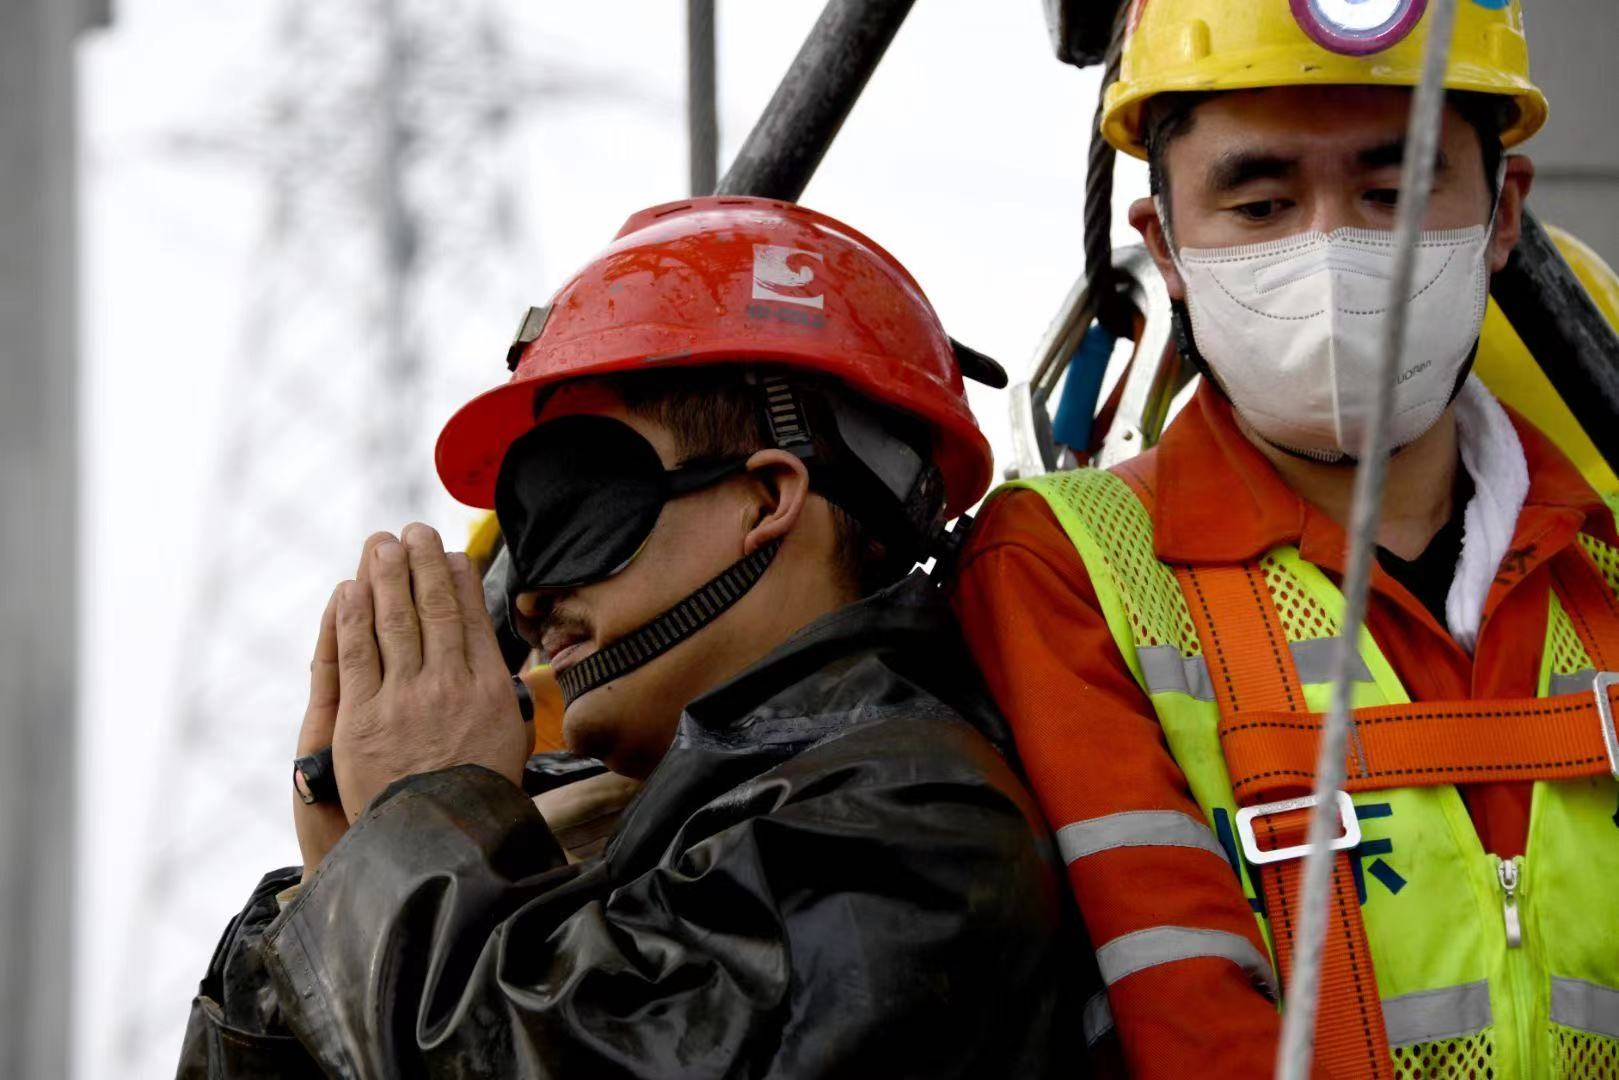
(965, 159)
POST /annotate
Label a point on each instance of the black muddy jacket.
(832, 873)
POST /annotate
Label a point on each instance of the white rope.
(1293, 1054)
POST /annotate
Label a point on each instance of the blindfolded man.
(725, 443)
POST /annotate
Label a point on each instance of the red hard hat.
(735, 280)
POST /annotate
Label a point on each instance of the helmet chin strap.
(667, 630)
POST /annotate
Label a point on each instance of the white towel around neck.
(1493, 456)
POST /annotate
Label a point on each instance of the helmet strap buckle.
(534, 320)
(784, 414)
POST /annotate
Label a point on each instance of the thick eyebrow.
(1232, 170)
(1392, 153)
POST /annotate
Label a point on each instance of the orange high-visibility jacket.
(1091, 742)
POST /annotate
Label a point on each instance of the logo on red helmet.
(786, 275)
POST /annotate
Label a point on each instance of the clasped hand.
(407, 678)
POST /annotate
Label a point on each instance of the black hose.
(814, 98)
(1565, 331)
(1098, 230)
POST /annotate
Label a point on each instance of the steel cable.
(1099, 167)
(1416, 180)
(1100, 287)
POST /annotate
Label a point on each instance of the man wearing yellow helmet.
(1162, 637)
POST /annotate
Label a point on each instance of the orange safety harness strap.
(1270, 744)
(1271, 754)
(1243, 640)
(1251, 668)
(1590, 604)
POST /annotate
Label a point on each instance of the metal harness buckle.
(1346, 815)
(1610, 734)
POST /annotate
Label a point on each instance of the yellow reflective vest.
(1485, 968)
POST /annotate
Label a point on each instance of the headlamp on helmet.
(1358, 27)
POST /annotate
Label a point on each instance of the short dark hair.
(714, 412)
(1167, 117)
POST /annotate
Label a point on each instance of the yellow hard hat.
(1511, 373)
(1200, 46)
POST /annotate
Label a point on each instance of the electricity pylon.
(392, 261)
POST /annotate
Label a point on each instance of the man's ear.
(781, 485)
(1515, 184)
(1144, 216)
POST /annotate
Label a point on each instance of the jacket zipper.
(1509, 875)
(1506, 871)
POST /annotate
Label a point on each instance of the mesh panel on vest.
(1606, 558)
(1302, 618)
(1470, 1058)
(1568, 651)
(1122, 528)
(1582, 1056)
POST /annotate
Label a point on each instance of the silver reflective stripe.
(1315, 659)
(1166, 671)
(1135, 828)
(1585, 1006)
(1577, 683)
(1431, 1015)
(1097, 1018)
(1129, 953)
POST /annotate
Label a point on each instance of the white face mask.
(1293, 330)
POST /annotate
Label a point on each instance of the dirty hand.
(422, 682)
(321, 825)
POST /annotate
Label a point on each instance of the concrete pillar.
(38, 535)
(1571, 44)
